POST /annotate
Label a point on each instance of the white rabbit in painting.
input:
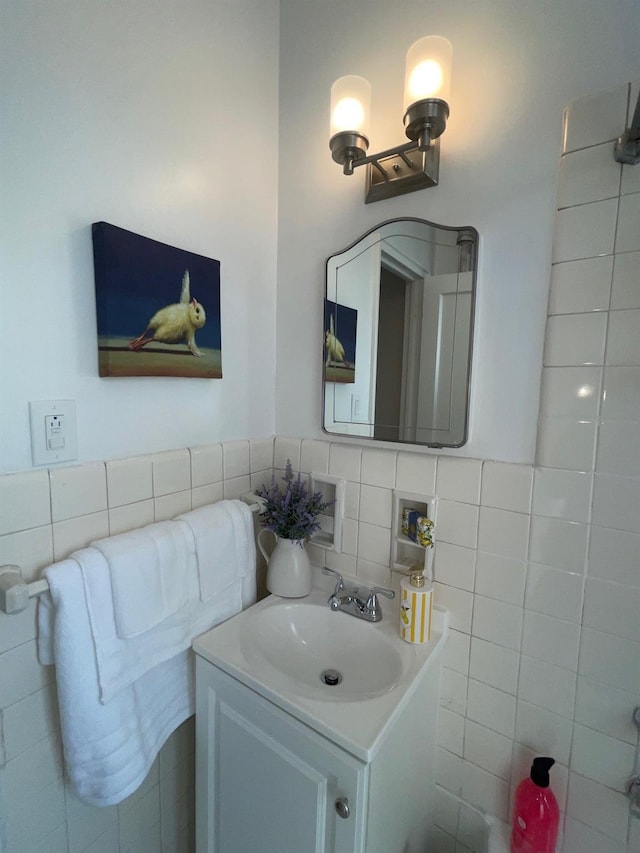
(335, 350)
(175, 323)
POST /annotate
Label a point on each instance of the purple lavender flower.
(292, 512)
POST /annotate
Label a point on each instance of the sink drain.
(331, 677)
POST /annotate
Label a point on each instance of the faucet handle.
(381, 590)
(339, 579)
(372, 604)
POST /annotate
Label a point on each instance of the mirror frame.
(474, 239)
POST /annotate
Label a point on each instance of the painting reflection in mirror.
(411, 285)
(340, 324)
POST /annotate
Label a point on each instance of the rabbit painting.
(175, 323)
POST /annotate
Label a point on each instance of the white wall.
(135, 113)
(515, 66)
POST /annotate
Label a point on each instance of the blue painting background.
(136, 276)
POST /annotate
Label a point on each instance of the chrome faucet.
(360, 602)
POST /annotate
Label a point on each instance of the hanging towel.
(224, 540)
(148, 570)
(108, 748)
(119, 697)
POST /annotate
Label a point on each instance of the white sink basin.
(281, 647)
(312, 646)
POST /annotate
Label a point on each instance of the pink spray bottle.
(535, 813)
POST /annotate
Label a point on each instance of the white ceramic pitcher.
(288, 566)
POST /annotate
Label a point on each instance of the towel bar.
(15, 593)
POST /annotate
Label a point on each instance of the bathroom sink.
(329, 655)
(282, 647)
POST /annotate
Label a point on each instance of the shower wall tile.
(609, 659)
(558, 543)
(595, 118)
(625, 289)
(616, 501)
(614, 555)
(575, 339)
(506, 486)
(503, 533)
(598, 807)
(562, 494)
(570, 391)
(606, 709)
(600, 757)
(543, 731)
(547, 686)
(491, 708)
(619, 448)
(623, 340)
(454, 565)
(458, 523)
(455, 654)
(612, 608)
(551, 640)
(585, 231)
(566, 443)
(494, 665)
(590, 174)
(554, 593)
(581, 286)
(488, 749)
(500, 577)
(497, 622)
(628, 233)
(622, 393)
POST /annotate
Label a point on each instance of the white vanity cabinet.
(285, 765)
(268, 783)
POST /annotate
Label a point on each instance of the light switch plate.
(53, 431)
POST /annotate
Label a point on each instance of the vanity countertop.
(355, 721)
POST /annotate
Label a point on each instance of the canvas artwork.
(340, 325)
(158, 307)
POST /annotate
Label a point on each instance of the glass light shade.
(428, 70)
(350, 105)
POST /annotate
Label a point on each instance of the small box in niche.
(418, 528)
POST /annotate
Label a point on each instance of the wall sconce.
(413, 165)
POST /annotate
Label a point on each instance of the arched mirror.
(398, 334)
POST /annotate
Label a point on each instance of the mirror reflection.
(398, 333)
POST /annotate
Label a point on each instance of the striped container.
(416, 610)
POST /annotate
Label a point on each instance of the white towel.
(224, 541)
(148, 569)
(108, 748)
(120, 698)
(120, 662)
